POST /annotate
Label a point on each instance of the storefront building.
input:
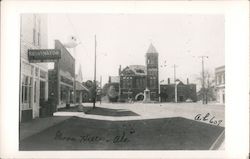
(220, 84)
(62, 79)
(33, 76)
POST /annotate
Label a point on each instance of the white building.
(220, 84)
(34, 76)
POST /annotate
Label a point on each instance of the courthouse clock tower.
(152, 78)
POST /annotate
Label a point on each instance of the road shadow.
(101, 111)
(111, 112)
(151, 134)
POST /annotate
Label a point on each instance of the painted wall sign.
(43, 55)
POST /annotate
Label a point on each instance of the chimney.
(168, 80)
(187, 81)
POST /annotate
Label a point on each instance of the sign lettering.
(43, 55)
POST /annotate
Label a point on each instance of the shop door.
(42, 93)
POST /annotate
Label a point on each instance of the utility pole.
(94, 77)
(100, 90)
(203, 79)
(164, 65)
(175, 88)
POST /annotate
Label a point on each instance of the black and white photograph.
(122, 82)
(126, 79)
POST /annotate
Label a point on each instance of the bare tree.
(209, 86)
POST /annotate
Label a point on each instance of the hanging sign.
(43, 55)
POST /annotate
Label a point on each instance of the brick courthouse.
(134, 79)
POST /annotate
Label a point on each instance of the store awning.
(80, 87)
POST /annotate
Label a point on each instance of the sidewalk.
(39, 124)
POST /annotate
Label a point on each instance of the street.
(137, 126)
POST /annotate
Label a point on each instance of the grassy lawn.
(151, 134)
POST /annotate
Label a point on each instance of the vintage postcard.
(130, 80)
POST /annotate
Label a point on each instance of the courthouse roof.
(134, 70)
(151, 49)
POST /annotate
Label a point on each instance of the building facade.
(185, 92)
(33, 76)
(134, 79)
(132, 83)
(62, 79)
(220, 84)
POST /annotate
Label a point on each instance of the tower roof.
(79, 75)
(151, 49)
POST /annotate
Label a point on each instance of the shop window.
(42, 74)
(220, 79)
(26, 89)
(223, 78)
(36, 71)
(35, 92)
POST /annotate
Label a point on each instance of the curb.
(217, 143)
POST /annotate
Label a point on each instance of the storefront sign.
(44, 55)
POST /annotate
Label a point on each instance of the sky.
(123, 39)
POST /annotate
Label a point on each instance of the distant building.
(114, 79)
(34, 76)
(134, 79)
(185, 92)
(220, 84)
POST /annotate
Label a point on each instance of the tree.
(110, 90)
(91, 87)
(209, 86)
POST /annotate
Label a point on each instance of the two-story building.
(33, 76)
(220, 84)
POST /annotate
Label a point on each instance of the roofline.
(220, 67)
